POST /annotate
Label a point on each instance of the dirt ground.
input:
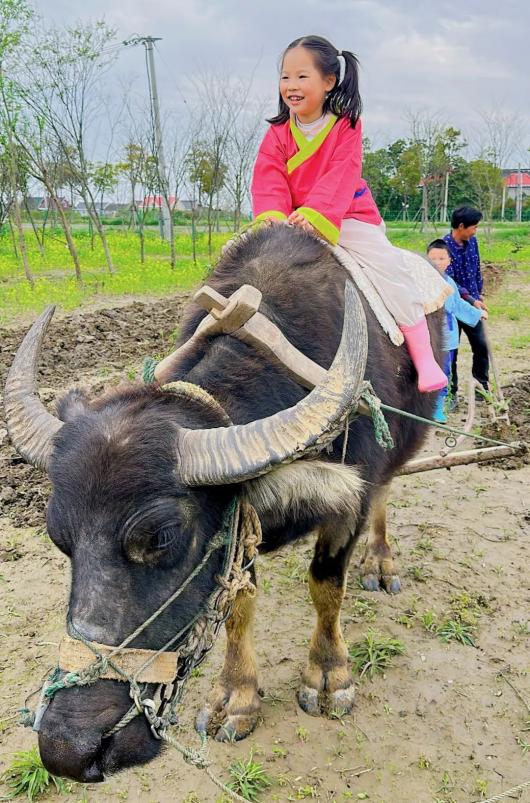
(447, 722)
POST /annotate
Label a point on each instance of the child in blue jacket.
(455, 309)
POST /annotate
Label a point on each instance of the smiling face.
(302, 87)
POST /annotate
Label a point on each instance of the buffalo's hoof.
(202, 721)
(342, 700)
(308, 701)
(335, 704)
(224, 727)
(375, 582)
(236, 728)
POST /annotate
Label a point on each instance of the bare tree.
(138, 164)
(62, 81)
(242, 146)
(498, 135)
(15, 18)
(222, 102)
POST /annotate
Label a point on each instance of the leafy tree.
(486, 184)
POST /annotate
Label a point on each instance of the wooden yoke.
(239, 316)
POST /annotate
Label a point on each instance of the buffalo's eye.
(156, 534)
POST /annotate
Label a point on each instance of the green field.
(507, 245)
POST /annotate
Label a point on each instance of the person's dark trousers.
(480, 366)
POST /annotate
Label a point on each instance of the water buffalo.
(141, 479)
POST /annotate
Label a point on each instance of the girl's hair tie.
(342, 67)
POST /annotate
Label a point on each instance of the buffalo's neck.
(246, 384)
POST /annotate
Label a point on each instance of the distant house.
(181, 205)
(83, 211)
(48, 203)
(513, 179)
(34, 202)
(115, 209)
(187, 206)
(155, 202)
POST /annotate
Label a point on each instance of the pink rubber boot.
(430, 375)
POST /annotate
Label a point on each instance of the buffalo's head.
(141, 481)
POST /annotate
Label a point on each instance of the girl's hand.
(484, 316)
(479, 305)
(297, 219)
(272, 221)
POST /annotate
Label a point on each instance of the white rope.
(508, 793)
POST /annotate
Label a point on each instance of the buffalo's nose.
(92, 774)
(70, 758)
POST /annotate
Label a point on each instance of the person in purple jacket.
(458, 313)
(465, 270)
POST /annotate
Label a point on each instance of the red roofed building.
(155, 201)
(513, 180)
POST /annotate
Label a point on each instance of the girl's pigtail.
(344, 100)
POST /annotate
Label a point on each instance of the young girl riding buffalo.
(308, 173)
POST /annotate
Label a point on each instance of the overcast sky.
(453, 57)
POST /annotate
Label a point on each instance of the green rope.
(148, 370)
(382, 432)
(431, 423)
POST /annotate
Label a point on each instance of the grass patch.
(455, 630)
(374, 653)
(26, 775)
(364, 609)
(248, 778)
(519, 341)
(55, 281)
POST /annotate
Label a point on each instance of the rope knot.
(381, 429)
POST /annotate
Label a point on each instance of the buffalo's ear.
(73, 404)
(312, 489)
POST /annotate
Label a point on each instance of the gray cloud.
(448, 57)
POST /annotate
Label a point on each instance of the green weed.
(455, 630)
(248, 778)
(365, 609)
(428, 620)
(419, 573)
(374, 653)
(27, 775)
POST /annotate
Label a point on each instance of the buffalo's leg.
(327, 683)
(377, 566)
(231, 712)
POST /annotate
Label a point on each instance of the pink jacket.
(320, 178)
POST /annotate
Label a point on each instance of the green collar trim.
(306, 148)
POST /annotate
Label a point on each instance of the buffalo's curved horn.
(31, 427)
(225, 455)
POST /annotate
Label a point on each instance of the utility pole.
(165, 213)
(443, 216)
(519, 197)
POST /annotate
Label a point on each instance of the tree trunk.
(99, 228)
(67, 233)
(210, 224)
(12, 232)
(142, 243)
(173, 255)
(34, 227)
(193, 235)
(17, 220)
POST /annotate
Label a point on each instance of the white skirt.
(389, 270)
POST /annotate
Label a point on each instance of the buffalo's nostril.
(92, 774)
